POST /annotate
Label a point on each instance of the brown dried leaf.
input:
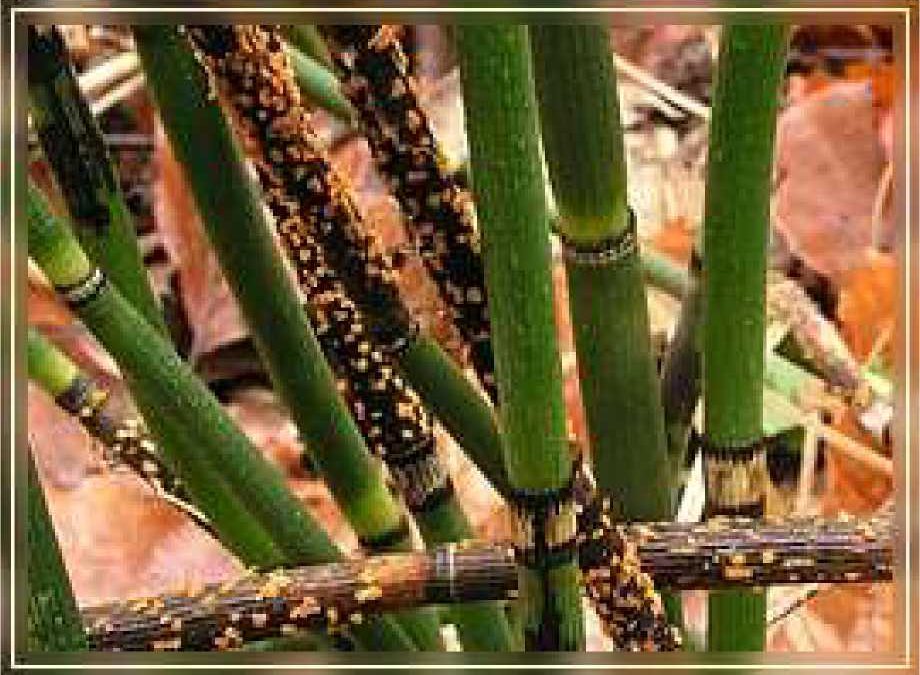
(829, 162)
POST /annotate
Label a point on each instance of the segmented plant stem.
(125, 439)
(631, 610)
(502, 128)
(740, 552)
(267, 297)
(623, 563)
(736, 232)
(293, 150)
(583, 143)
(377, 81)
(258, 606)
(73, 144)
(394, 423)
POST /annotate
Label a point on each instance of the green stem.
(54, 623)
(737, 220)
(583, 144)
(243, 496)
(235, 222)
(308, 40)
(459, 407)
(320, 86)
(501, 124)
(74, 147)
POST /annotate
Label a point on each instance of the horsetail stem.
(367, 275)
(623, 563)
(736, 551)
(394, 424)
(73, 145)
(245, 498)
(389, 413)
(583, 144)
(258, 606)
(53, 619)
(238, 227)
(439, 211)
(736, 231)
(125, 439)
(501, 124)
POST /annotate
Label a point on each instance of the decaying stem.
(377, 81)
(623, 564)
(259, 606)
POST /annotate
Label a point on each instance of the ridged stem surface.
(583, 145)
(502, 129)
(736, 232)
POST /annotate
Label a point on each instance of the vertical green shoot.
(502, 129)
(583, 144)
(736, 232)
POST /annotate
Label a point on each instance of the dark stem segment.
(740, 552)
(301, 171)
(235, 222)
(237, 226)
(736, 232)
(583, 143)
(388, 412)
(52, 617)
(281, 603)
(502, 129)
(125, 439)
(74, 146)
(620, 560)
(376, 79)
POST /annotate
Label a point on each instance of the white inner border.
(906, 450)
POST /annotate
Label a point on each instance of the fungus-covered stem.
(52, 617)
(738, 552)
(389, 414)
(234, 219)
(242, 495)
(736, 231)
(624, 564)
(227, 616)
(583, 144)
(438, 210)
(502, 129)
(73, 144)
